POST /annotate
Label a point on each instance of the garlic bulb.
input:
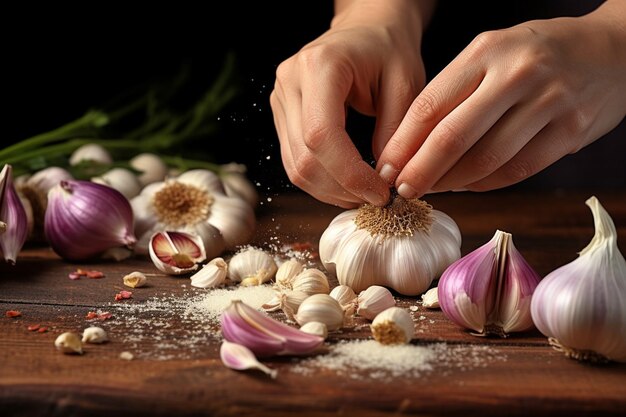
(121, 179)
(286, 273)
(393, 326)
(14, 220)
(211, 275)
(91, 152)
(84, 219)
(237, 185)
(316, 328)
(581, 306)
(404, 246)
(374, 301)
(151, 166)
(193, 203)
(489, 290)
(321, 308)
(311, 281)
(176, 253)
(251, 266)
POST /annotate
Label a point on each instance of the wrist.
(609, 21)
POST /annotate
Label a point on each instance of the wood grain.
(520, 375)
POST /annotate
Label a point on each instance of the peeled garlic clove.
(403, 246)
(151, 166)
(69, 343)
(120, 179)
(489, 290)
(95, 335)
(393, 326)
(251, 266)
(237, 185)
(316, 328)
(13, 217)
(430, 299)
(135, 279)
(321, 308)
(311, 281)
(580, 306)
(240, 358)
(374, 301)
(91, 152)
(211, 275)
(176, 253)
(263, 335)
(84, 219)
(286, 273)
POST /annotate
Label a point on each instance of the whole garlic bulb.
(581, 306)
(121, 179)
(91, 152)
(321, 308)
(251, 266)
(236, 184)
(152, 168)
(404, 246)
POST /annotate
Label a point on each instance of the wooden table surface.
(520, 375)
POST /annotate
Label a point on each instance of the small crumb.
(33, 327)
(42, 330)
(93, 274)
(413, 308)
(127, 356)
(422, 317)
(73, 276)
(13, 314)
(123, 295)
(100, 316)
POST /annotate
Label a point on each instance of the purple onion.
(13, 216)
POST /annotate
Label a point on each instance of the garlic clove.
(69, 343)
(176, 253)
(152, 168)
(84, 219)
(35, 189)
(240, 358)
(234, 218)
(430, 298)
(393, 326)
(286, 273)
(263, 335)
(203, 179)
(120, 179)
(211, 275)
(288, 301)
(321, 308)
(14, 217)
(252, 266)
(316, 328)
(580, 306)
(237, 185)
(91, 152)
(373, 301)
(135, 279)
(344, 295)
(95, 335)
(311, 281)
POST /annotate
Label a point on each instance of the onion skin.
(84, 219)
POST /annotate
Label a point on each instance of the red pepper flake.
(42, 330)
(100, 316)
(91, 315)
(13, 313)
(301, 246)
(73, 276)
(123, 295)
(95, 274)
(33, 327)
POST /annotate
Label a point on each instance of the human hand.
(369, 59)
(512, 103)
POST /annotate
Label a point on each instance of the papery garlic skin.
(14, 218)
(321, 308)
(151, 166)
(583, 303)
(195, 203)
(430, 299)
(263, 335)
(393, 326)
(489, 290)
(211, 275)
(252, 266)
(373, 301)
(121, 179)
(91, 152)
(405, 260)
(84, 219)
(176, 253)
(288, 301)
(240, 358)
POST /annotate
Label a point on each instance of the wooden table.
(524, 377)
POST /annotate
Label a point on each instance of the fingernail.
(374, 198)
(388, 173)
(406, 191)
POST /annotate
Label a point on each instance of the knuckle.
(315, 134)
(305, 167)
(424, 107)
(519, 170)
(284, 71)
(484, 43)
(486, 162)
(450, 139)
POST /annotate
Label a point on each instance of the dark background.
(58, 63)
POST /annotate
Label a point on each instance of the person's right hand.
(370, 60)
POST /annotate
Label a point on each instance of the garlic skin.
(211, 275)
(252, 266)
(403, 246)
(237, 185)
(69, 343)
(393, 326)
(581, 306)
(288, 301)
(13, 216)
(176, 253)
(316, 328)
(195, 203)
(240, 358)
(490, 289)
(121, 179)
(263, 335)
(152, 168)
(84, 219)
(430, 299)
(321, 308)
(374, 301)
(95, 335)
(135, 279)
(311, 281)
(286, 273)
(91, 152)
